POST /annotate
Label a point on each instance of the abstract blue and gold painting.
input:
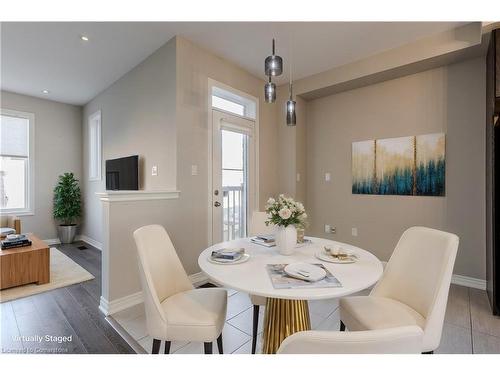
(412, 165)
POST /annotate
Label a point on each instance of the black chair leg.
(167, 347)
(342, 326)
(219, 344)
(255, 327)
(431, 352)
(208, 347)
(156, 347)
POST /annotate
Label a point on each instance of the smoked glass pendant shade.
(270, 91)
(291, 118)
(273, 65)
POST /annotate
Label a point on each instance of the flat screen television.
(122, 173)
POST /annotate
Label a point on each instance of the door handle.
(217, 204)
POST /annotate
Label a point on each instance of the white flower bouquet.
(284, 211)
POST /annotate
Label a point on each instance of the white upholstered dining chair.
(413, 289)
(258, 226)
(398, 340)
(174, 309)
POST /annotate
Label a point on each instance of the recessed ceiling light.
(45, 91)
(84, 38)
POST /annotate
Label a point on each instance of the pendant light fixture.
(291, 117)
(270, 91)
(273, 65)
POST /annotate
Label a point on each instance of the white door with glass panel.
(233, 175)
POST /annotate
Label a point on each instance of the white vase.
(286, 239)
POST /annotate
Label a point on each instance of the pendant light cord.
(291, 81)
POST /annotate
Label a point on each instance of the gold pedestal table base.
(283, 318)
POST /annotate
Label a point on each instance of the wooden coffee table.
(25, 265)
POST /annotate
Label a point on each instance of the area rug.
(63, 272)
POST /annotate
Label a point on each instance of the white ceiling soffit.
(38, 56)
(445, 48)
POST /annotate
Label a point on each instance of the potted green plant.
(67, 206)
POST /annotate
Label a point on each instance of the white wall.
(58, 149)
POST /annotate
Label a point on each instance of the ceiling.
(51, 56)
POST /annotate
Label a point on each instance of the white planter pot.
(286, 239)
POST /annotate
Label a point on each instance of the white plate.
(322, 255)
(305, 271)
(243, 259)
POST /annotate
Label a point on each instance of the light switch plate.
(354, 232)
(298, 177)
(328, 176)
(154, 170)
(194, 170)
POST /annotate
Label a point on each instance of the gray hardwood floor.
(65, 312)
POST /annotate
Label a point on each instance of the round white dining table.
(287, 310)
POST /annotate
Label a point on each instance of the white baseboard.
(90, 241)
(114, 306)
(470, 282)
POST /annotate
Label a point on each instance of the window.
(227, 105)
(16, 162)
(95, 162)
(233, 103)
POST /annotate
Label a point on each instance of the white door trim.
(211, 84)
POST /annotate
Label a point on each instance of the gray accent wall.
(137, 118)
(450, 99)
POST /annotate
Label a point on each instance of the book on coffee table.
(19, 241)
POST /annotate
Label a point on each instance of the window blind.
(14, 136)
